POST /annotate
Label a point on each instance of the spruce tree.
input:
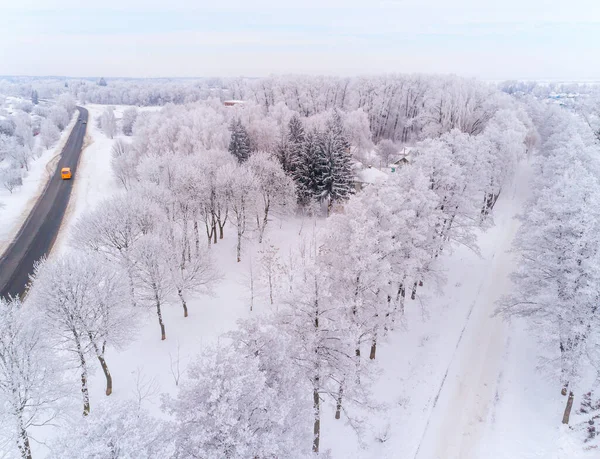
(290, 147)
(102, 82)
(305, 172)
(334, 171)
(34, 97)
(239, 145)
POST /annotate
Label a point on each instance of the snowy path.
(468, 390)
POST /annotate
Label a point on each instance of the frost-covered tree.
(241, 191)
(124, 162)
(129, 117)
(119, 430)
(108, 122)
(274, 188)
(49, 133)
(387, 151)
(334, 171)
(113, 228)
(290, 148)
(85, 303)
(239, 145)
(192, 272)
(270, 269)
(153, 281)
(30, 384)
(240, 401)
(556, 282)
(306, 172)
(325, 353)
(59, 116)
(34, 97)
(11, 178)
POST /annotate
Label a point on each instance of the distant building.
(403, 159)
(232, 103)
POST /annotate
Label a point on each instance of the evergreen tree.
(239, 145)
(102, 82)
(305, 169)
(334, 172)
(290, 147)
(34, 97)
(296, 137)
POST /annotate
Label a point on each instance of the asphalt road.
(38, 233)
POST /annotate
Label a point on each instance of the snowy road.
(468, 391)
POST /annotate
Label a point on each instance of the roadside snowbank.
(18, 204)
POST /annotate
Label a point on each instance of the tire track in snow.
(477, 357)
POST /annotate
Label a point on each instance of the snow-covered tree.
(241, 191)
(34, 97)
(274, 188)
(108, 122)
(59, 116)
(334, 172)
(86, 305)
(113, 228)
(387, 151)
(30, 384)
(49, 133)
(290, 148)
(192, 272)
(116, 430)
(153, 280)
(306, 172)
(240, 402)
(270, 269)
(11, 178)
(239, 145)
(124, 162)
(129, 117)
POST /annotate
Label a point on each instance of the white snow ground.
(18, 204)
(456, 382)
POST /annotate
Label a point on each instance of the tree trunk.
(106, 374)
(338, 409)
(131, 285)
(413, 294)
(373, 348)
(82, 363)
(214, 232)
(84, 388)
(160, 321)
(185, 309)
(196, 237)
(239, 246)
(23, 440)
(317, 423)
(567, 414)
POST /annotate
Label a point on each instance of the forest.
(196, 174)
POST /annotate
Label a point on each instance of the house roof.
(371, 175)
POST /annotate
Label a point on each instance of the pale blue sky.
(492, 39)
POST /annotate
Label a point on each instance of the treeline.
(556, 283)
(30, 129)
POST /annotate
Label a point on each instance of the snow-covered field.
(458, 383)
(18, 204)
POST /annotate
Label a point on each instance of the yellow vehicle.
(65, 173)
